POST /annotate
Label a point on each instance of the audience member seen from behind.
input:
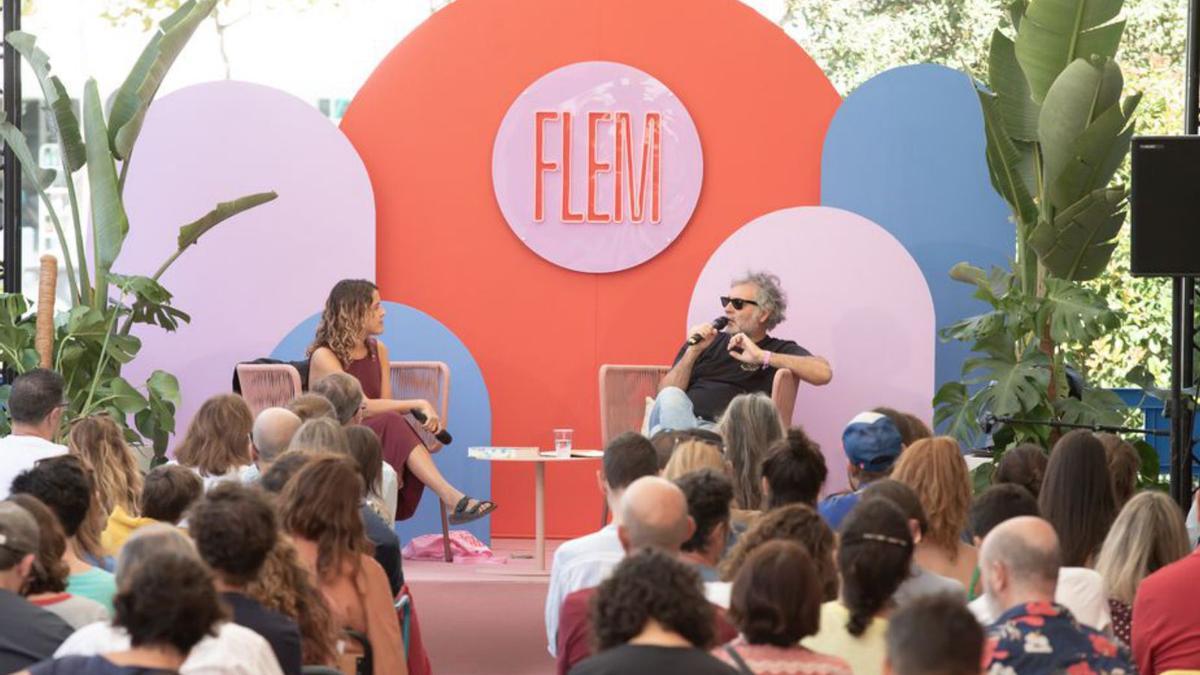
(234, 529)
(1166, 617)
(586, 561)
(286, 586)
(62, 484)
(1147, 535)
(1124, 465)
(920, 582)
(650, 617)
(217, 443)
(35, 406)
(798, 523)
(709, 495)
(1034, 634)
(935, 469)
(776, 602)
(911, 427)
(667, 441)
(319, 435)
(872, 443)
(749, 426)
(694, 455)
(320, 510)
(346, 341)
(363, 448)
(311, 406)
(1024, 465)
(166, 608)
(874, 556)
(282, 470)
(793, 471)
(47, 583)
(101, 444)
(1077, 497)
(269, 438)
(233, 650)
(28, 633)
(933, 635)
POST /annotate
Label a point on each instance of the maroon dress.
(396, 434)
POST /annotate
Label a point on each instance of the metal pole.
(12, 168)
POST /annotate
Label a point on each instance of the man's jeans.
(673, 411)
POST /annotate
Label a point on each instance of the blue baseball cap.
(871, 441)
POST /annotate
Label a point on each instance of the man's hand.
(742, 348)
(706, 332)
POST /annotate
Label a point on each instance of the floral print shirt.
(1043, 637)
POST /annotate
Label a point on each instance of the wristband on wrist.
(766, 359)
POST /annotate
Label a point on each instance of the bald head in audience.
(1019, 562)
(654, 513)
(273, 430)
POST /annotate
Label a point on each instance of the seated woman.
(320, 510)
(776, 603)
(217, 443)
(935, 469)
(651, 617)
(346, 342)
(167, 606)
(101, 444)
(874, 555)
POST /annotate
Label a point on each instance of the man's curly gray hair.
(770, 296)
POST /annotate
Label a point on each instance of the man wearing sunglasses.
(742, 358)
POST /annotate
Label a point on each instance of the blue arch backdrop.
(412, 335)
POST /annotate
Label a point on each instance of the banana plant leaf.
(1097, 154)
(57, 99)
(1054, 33)
(1082, 93)
(41, 178)
(1008, 169)
(1079, 242)
(138, 91)
(109, 222)
(190, 234)
(1016, 105)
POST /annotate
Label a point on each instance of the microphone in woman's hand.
(443, 436)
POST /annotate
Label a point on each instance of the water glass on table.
(562, 442)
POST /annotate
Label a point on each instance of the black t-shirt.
(92, 665)
(652, 660)
(387, 547)
(277, 629)
(28, 634)
(717, 377)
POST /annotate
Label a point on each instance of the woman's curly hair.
(100, 441)
(286, 586)
(170, 600)
(651, 584)
(935, 469)
(320, 504)
(795, 522)
(342, 321)
(875, 557)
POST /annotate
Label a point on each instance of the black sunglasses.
(738, 303)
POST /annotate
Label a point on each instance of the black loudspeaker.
(1164, 225)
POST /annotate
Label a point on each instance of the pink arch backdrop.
(855, 296)
(253, 278)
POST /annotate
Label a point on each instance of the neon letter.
(540, 165)
(651, 158)
(594, 214)
(567, 215)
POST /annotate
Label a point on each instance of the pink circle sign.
(597, 167)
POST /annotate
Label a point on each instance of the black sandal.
(462, 514)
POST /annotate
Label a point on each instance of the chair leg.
(447, 553)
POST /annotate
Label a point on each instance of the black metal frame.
(11, 206)
(1183, 304)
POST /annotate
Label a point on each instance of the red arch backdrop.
(424, 125)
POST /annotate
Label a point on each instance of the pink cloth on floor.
(464, 545)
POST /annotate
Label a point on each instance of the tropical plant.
(1057, 131)
(92, 339)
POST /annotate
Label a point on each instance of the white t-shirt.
(20, 453)
(579, 563)
(1080, 590)
(236, 650)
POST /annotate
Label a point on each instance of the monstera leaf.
(1054, 33)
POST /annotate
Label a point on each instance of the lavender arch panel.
(855, 296)
(906, 150)
(253, 277)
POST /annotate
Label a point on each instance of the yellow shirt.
(864, 653)
(120, 527)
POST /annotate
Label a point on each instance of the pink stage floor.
(475, 621)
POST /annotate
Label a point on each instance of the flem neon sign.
(622, 165)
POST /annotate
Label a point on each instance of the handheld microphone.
(719, 323)
(443, 436)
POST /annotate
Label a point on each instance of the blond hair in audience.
(1148, 534)
(218, 439)
(935, 470)
(692, 456)
(99, 441)
(311, 406)
(320, 435)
